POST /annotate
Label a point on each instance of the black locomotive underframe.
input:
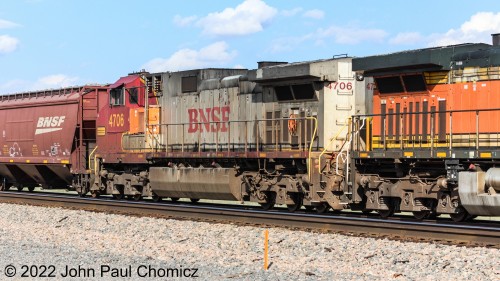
(414, 184)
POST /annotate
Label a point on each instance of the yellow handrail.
(368, 133)
(90, 155)
(331, 140)
(311, 145)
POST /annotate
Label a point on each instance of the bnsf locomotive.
(413, 131)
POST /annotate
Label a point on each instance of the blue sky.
(58, 43)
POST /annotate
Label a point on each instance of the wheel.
(94, 193)
(297, 202)
(174, 199)
(270, 201)
(391, 208)
(156, 198)
(430, 213)
(322, 208)
(309, 208)
(471, 217)
(194, 200)
(81, 192)
(119, 196)
(19, 188)
(136, 197)
(31, 188)
(460, 215)
(420, 215)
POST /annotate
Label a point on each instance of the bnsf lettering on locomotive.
(53, 121)
(207, 119)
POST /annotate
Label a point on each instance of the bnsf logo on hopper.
(199, 119)
(49, 124)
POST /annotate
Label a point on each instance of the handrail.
(229, 122)
(421, 112)
(311, 144)
(331, 140)
(90, 156)
(438, 131)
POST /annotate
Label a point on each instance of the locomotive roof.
(306, 70)
(428, 59)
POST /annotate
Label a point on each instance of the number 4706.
(116, 120)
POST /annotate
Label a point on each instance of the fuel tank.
(198, 183)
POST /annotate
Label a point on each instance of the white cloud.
(239, 66)
(314, 14)
(8, 44)
(352, 35)
(405, 38)
(184, 21)
(292, 12)
(478, 28)
(7, 24)
(209, 56)
(55, 81)
(249, 17)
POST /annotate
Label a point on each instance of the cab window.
(116, 97)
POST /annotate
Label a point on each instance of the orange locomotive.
(432, 144)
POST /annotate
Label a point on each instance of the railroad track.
(465, 234)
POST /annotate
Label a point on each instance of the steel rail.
(472, 234)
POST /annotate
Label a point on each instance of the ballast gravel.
(101, 246)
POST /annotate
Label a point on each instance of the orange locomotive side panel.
(413, 111)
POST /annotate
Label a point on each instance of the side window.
(189, 84)
(133, 96)
(116, 96)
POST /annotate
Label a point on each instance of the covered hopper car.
(47, 136)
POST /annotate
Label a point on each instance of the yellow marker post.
(266, 246)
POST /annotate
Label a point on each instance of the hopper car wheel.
(137, 197)
(194, 200)
(174, 199)
(94, 193)
(270, 201)
(322, 208)
(19, 188)
(31, 188)
(156, 198)
(460, 215)
(297, 202)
